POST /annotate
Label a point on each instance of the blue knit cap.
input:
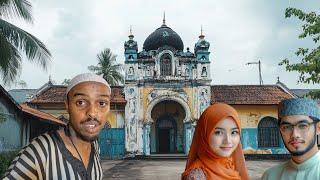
(299, 106)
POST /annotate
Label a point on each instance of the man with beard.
(71, 152)
(299, 127)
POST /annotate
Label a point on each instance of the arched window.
(204, 72)
(268, 132)
(165, 65)
(131, 71)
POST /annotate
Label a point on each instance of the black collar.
(75, 163)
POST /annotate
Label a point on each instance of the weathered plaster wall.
(10, 128)
(116, 119)
(250, 116)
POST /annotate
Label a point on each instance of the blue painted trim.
(249, 139)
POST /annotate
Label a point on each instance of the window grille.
(165, 65)
(268, 133)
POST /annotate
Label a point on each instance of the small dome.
(163, 36)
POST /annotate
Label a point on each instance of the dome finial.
(131, 36)
(201, 33)
(130, 29)
(164, 18)
(201, 30)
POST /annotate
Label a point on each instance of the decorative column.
(131, 119)
(146, 139)
(189, 128)
(187, 136)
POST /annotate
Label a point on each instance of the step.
(160, 156)
(166, 156)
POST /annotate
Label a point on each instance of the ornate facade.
(166, 90)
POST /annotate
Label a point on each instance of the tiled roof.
(22, 95)
(56, 94)
(41, 115)
(248, 94)
(117, 95)
(28, 110)
(302, 92)
(53, 94)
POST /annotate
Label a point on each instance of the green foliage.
(108, 68)
(14, 41)
(5, 160)
(16, 8)
(309, 65)
(66, 82)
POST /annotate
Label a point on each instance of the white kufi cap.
(86, 77)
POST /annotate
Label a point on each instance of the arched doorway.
(166, 134)
(167, 131)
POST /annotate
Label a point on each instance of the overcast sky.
(239, 31)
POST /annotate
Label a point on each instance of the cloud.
(239, 32)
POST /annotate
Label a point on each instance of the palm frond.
(93, 68)
(10, 61)
(34, 49)
(16, 8)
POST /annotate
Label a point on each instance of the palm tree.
(14, 41)
(108, 68)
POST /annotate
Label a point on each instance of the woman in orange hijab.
(215, 152)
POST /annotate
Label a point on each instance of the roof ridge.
(305, 89)
(243, 85)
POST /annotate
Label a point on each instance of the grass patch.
(5, 160)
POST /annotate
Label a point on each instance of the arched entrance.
(167, 131)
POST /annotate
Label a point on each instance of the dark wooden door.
(164, 140)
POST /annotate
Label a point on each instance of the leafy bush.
(5, 160)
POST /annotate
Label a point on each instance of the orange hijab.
(201, 156)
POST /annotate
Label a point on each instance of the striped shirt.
(47, 157)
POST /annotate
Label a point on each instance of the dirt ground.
(166, 169)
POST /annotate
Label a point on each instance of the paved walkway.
(165, 169)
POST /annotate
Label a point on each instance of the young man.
(298, 123)
(71, 152)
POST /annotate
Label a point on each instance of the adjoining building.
(19, 123)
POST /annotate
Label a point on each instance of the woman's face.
(225, 138)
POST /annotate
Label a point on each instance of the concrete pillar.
(146, 139)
